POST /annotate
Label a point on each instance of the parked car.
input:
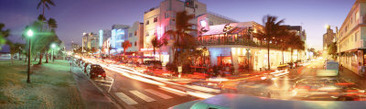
(153, 63)
(94, 71)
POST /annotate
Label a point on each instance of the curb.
(103, 92)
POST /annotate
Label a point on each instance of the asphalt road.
(131, 93)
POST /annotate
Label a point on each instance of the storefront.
(352, 59)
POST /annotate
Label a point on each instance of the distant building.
(136, 36)
(328, 37)
(351, 39)
(160, 19)
(74, 46)
(119, 34)
(103, 36)
(90, 41)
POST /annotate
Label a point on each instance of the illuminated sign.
(100, 38)
(146, 49)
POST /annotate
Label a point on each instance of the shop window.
(224, 60)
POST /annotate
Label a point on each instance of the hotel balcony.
(226, 41)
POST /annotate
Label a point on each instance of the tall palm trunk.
(292, 51)
(47, 57)
(40, 58)
(154, 52)
(11, 58)
(283, 57)
(269, 65)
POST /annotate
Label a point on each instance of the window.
(356, 36)
(135, 43)
(357, 15)
(147, 33)
(135, 33)
(155, 19)
(166, 15)
(196, 6)
(130, 35)
(211, 23)
(147, 22)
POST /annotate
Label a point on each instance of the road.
(132, 93)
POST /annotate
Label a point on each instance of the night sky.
(77, 16)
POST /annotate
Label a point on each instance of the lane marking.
(162, 95)
(125, 98)
(173, 91)
(108, 85)
(142, 96)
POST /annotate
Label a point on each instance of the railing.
(227, 42)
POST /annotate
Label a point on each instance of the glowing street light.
(53, 46)
(30, 35)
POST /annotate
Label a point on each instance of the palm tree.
(15, 48)
(156, 43)
(284, 42)
(4, 34)
(270, 32)
(52, 24)
(181, 34)
(296, 43)
(125, 45)
(45, 4)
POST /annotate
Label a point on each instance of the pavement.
(353, 77)
(92, 96)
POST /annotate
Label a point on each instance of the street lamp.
(53, 46)
(30, 35)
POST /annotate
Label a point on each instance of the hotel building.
(160, 19)
(352, 38)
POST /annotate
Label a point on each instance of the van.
(331, 68)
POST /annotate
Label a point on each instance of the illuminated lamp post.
(30, 35)
(53, 46)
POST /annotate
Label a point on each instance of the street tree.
(157, 43)
(15, 48)
(45, 4)
(4, 33)
(52, 25)
(182, 40)
(125, 45)
(270, 32)
(332, 50)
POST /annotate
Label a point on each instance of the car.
(154, 63)
(241, 101)
(94, 71)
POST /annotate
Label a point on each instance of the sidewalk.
(92, 97)
(353, 77)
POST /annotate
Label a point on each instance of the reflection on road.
(301, 83)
